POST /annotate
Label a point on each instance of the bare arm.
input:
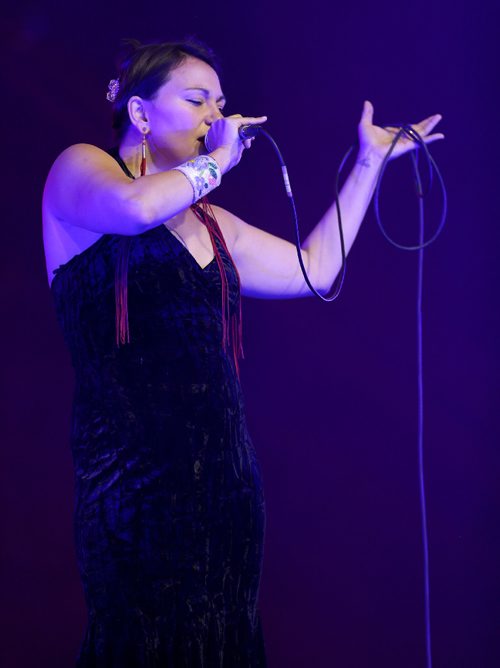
(268, 265)
(87, 188)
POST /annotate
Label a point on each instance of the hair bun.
(128, 48)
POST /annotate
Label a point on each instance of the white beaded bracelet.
(203, 173)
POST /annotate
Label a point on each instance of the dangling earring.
(121, 272)
(143, 154)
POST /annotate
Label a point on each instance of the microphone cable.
(407, 130)
(248, 131)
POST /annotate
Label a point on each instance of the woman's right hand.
(224, 140)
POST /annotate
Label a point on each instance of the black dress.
(169, 507)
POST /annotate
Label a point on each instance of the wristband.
(203, 173)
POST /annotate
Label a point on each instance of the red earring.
(143, 155)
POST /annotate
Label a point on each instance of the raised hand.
(224, 140)
(375, 140)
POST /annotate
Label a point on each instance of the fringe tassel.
(121, 292)
(231, 324)
(121, 270)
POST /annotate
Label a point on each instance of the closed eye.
(198, 103)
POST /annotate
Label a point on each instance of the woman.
(170, 516)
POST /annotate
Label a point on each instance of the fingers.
(430, 138)
(423, 128)
(248, 120)
(427, 125)
(247, 143)
(367, 113)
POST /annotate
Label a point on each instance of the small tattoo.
(364, 162)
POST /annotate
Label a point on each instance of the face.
(181, 113)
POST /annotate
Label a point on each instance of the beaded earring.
(143, 152)
(121, 270)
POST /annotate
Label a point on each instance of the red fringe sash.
(231, 323)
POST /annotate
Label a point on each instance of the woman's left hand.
(377, 140)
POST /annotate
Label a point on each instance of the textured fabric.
(169, 507)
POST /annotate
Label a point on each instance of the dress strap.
(114, 153)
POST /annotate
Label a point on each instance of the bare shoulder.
(81, 158)
(82, 151)
(83, 187)
(69, 208)
(78, 165)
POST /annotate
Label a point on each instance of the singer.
(146, 277)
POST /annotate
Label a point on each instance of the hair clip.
(113, 88)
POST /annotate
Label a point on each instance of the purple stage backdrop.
(331, 388)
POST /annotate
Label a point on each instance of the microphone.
(245, 132)
(249, 131)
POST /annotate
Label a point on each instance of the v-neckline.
(115, 153)
(186, 249)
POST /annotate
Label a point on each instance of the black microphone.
(249, 131)
(244, 131)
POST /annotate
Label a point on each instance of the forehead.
(194, 73)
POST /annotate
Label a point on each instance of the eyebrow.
(222, 98)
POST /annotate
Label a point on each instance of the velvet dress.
(169, 511)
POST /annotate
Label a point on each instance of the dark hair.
(144, 68)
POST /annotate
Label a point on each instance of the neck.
(130, 150)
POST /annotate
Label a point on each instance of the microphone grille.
(248, 131)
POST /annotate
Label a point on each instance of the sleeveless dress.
(169, 512)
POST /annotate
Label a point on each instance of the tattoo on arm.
(364, 162)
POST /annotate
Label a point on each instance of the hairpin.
(113, 88)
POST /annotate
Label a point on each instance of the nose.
(213, 114)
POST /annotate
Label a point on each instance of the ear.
(137, 114)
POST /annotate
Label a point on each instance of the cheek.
(177, 120)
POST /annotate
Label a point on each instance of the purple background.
(331, 389)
